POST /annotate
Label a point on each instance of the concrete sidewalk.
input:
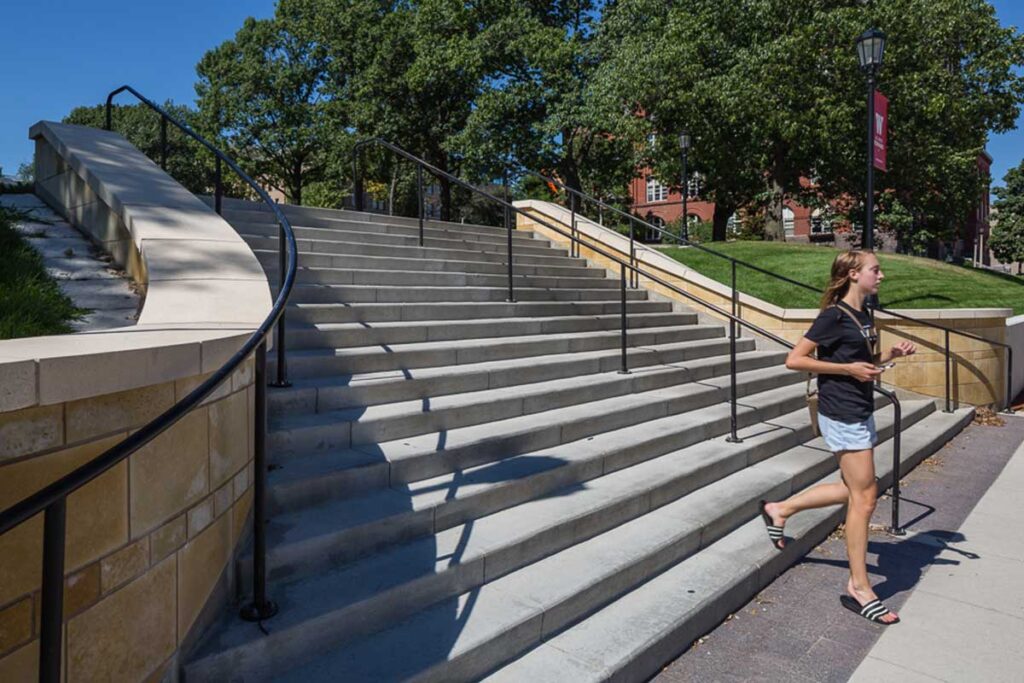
(965, 619)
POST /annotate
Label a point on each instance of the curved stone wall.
(149, 543)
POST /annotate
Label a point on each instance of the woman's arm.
(904, 348)
(800, 359)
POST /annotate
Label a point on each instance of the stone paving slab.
(795, 630)
(82, 272)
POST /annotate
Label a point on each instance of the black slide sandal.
(774, 532)
(872, 611)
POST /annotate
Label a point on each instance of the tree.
(263, 93)
(1007, 239)
(772, 88)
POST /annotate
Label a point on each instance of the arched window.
(788, 220)
(654, 235)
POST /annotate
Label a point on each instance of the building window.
(788, 220)
(819, 224)
(733, 225)
(651, 234)
(693, 186)
(656, 192)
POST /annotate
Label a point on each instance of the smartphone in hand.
(886, 366)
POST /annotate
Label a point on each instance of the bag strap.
(867, 340)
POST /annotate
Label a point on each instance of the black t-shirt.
(840, 340)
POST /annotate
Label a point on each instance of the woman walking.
(844, 339)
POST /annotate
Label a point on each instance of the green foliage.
(1007, 239)
(31, 302)
(263, 93)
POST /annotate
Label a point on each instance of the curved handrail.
(53, 496)
(37, 502)
(735, 261)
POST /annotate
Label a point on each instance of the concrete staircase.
(463, 487)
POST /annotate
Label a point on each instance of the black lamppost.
(870, 50)
(684, 149)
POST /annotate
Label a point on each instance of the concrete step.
(308, 274)
(340, 530)
(338, 241)
(267, 228)
(373, 313)
(319, 394)
(294, 433)
(339, 335)
(632, 638)
(308, 478)
(361, 294)
(533, 256)
(571, 268)
(352, 360)
(565, 553)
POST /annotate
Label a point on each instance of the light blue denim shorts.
(842, 436)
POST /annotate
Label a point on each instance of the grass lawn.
(31, 303)
(910, 282)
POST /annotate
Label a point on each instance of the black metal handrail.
(735, 322)
(735, 261)
(51, 500)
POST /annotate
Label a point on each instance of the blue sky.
(59, 54)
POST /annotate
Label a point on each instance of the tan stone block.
(22, 566)
(170, 474)
(241, 483)
(117, 412)
(18, 384)
(240, 514)
(168, 538)
(200, 563)
(16, 624)
(98, 517)
(182, 387)
(200, 517)
(31, 430)
(81, 589)
(222, 499)
(25, 477)
(229, 437)
(243, 376)
(124, 565)
(128, 634)
(21, 665)
(163, 674)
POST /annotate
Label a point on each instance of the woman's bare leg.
(858, 468)
(818, 496)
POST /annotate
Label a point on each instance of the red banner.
(880, 134)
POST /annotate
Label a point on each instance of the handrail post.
(573, 247)
(163, 142)
(949, 405)
(634, 276)
(218, 189)
(733, 436)
(260, 608)
(279, 341)
(624, 370)
(508, 235)
(52, 602)
(1009, 379)
(735, 299)
(357, 182)
(894, 527)
(419, 194)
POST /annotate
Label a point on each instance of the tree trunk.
(720, 222)
(774, 228)
(297, 184)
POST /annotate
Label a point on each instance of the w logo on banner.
(880, 134)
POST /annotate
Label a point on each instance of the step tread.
(683, 318)
(537, 598)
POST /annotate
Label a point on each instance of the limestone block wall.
(149, 543)
(978, 369)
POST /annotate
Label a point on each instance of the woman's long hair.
(839, 284)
